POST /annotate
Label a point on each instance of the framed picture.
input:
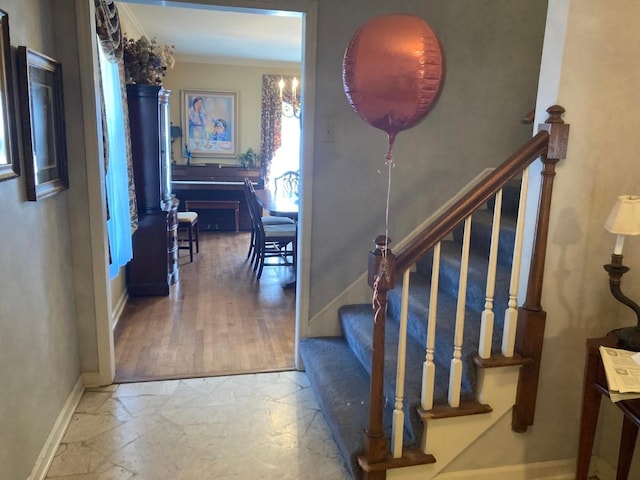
(43, 130)
(210, 123)
(9, 159)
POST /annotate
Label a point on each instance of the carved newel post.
(531, 316)
(381, 275)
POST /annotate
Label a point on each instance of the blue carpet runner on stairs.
(339, 367)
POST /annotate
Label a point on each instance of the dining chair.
(287, 182)
(271, 240)
(249, 191)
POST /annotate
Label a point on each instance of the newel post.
(531, 316)
(381, 275)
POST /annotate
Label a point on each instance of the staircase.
(446, 323)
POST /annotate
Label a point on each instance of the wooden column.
(381, 275)
(531, 316)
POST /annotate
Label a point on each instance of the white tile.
(265, 426)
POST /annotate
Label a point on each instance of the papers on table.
(622, 369)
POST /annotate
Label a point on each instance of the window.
(287, 157)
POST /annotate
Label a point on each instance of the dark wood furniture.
(278, 205)
(233, 205)
(154, 266)
(595, 386)
(219, 183)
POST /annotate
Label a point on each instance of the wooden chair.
(266, 219)
(271, 240)
(188, 222)
(287, 182)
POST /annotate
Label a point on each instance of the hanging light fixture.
(290, 108)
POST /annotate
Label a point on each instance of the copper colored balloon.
(392, 72)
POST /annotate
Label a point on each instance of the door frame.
(95, 173)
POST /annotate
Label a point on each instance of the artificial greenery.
(249, 159)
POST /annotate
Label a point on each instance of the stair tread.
(450, 262)
(341, 385)
(418, 311)
(357, 323)
(338, 367)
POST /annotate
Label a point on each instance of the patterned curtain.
(110, 37)
(272, 118)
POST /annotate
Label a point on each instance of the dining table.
(280, 204)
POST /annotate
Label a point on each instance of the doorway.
(299, 300)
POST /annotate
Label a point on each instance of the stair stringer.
(446, 438)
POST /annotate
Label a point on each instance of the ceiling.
(205, 34)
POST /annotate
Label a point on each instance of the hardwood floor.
(217, 320)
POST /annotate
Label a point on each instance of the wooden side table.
(595, 386)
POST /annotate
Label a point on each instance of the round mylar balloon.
(392, 72)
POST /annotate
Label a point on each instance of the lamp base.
(628, 338)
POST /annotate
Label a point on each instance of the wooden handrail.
(550, 143)
(482, 192)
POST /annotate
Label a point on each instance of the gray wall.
(39, 361)
(492, 50)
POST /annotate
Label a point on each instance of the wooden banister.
(455, 214)
(550, 143)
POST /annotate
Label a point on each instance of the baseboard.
(554, 470)
(50, 447)
(325, 322)
(93, 380)
(117, 311)
(604, 470)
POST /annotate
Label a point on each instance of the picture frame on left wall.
(43, 127)
(9, 157)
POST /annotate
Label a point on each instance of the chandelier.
(290, 107)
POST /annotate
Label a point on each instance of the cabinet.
(154, 266)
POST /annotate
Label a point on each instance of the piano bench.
(216, 205)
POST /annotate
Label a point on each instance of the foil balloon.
(392, 72)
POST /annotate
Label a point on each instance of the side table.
(595, 386)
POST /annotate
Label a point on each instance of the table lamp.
(624, 219)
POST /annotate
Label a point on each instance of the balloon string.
(389, 162)
(374, 301)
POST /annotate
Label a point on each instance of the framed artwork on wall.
(9, 159)
(210, 123)
(43, 129)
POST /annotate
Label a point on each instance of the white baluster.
(398, 412)
(486, 325)
(455, 375)
(511, 313)
(429, 367)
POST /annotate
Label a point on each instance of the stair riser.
(339, 368)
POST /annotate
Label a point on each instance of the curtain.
(122, 213)
(111, 44)
(118, 223)
(272, 118)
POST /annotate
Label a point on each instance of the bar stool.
(188, 222)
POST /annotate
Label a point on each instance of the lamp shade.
(624, 218)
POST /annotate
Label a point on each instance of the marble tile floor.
(261, 426)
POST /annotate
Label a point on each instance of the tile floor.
(263, 426)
